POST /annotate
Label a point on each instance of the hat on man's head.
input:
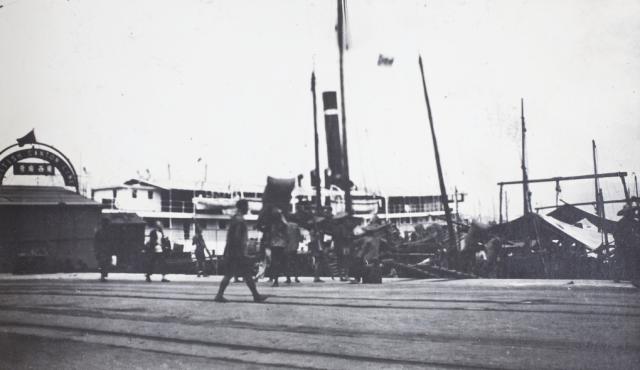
(242, 203)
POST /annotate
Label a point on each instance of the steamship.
(180, 207)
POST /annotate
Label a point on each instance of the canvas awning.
(590, 238)
(526, 227)
(571, 214)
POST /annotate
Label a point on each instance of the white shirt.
(158, 247)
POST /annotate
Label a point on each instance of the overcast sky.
(122, 86)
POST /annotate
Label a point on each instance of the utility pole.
(443, 191)
(347, 187)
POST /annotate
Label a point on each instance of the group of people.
(156, 250)
(335, 254)
(279, 248)
(278, 251)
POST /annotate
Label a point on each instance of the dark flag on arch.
(384, 60)
(29, 138)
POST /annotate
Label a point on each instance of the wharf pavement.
(72, 321)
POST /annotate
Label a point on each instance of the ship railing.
(178, 206)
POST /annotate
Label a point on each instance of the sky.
(125, 86)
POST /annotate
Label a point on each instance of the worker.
(235, 255)
(103, 247)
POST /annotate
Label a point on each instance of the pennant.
(384, 60)
(29, 138)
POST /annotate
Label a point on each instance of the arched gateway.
(45, 228)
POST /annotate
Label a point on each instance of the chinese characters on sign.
(30, 168)
(53, 162)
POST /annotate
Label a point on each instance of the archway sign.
(54, 159)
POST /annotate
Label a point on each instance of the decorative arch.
(44, 152)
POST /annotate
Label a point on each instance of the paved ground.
(74, 322)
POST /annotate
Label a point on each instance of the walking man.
(201, 248)
(317, 253)
(157, 247)
(236, 260)
(103, 247)
(277, 237)
(294, 237)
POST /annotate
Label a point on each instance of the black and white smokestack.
(332, 130)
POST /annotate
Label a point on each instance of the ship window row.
(134, 193)
(180, 206)
(225, 195)
(205, 194)
(188, 226)
(415, 207)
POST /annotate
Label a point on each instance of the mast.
(204, 181)
(525, 178)
(500, 220)
(456, 203)
(506, 206)
(625, 189)
(347, 188)
(595, 172)
(318, 202)
(605, 236)
(170, 191)
(599, 196)
(443, 191)
(458, 238)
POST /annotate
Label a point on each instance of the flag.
(29, 138)
(384, 60)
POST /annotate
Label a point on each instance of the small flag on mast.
(29, 138)
(384, 60)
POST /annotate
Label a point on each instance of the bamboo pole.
(443, 191)
(347, 179)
